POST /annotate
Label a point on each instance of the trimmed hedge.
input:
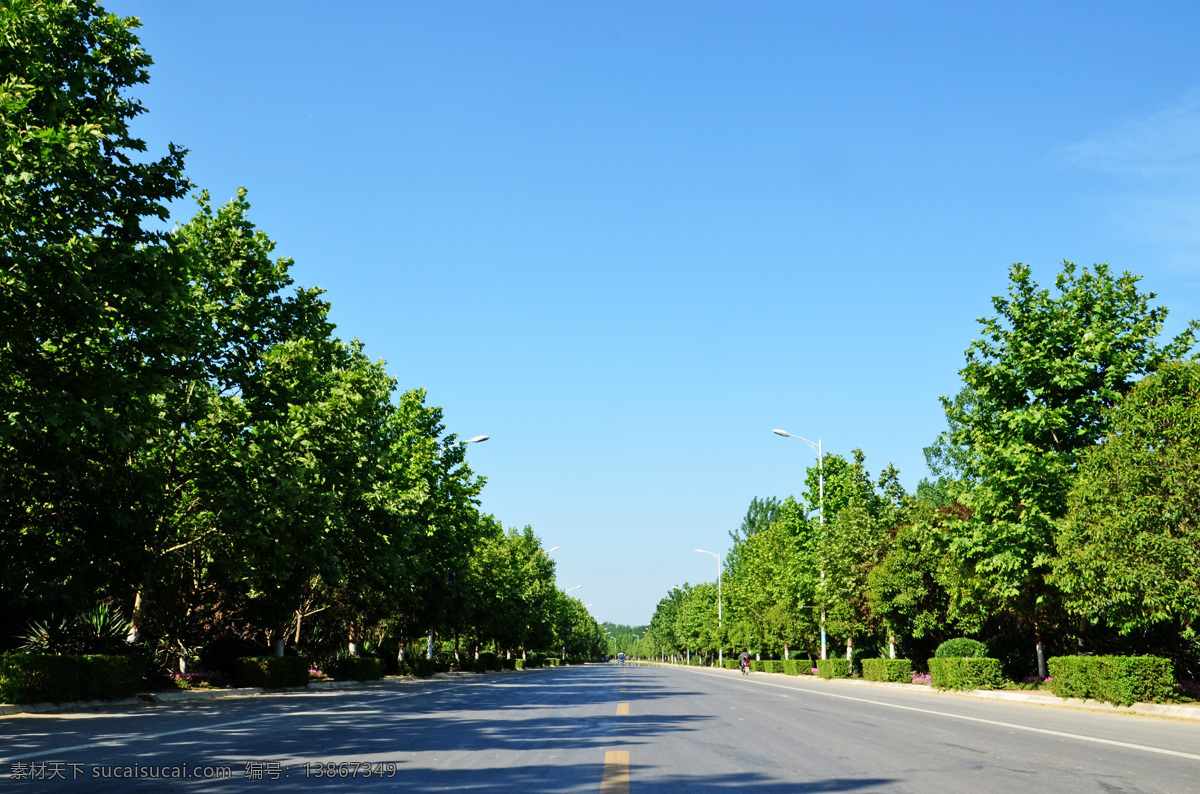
(509, 664)
(796, 667)
(833, 668)
(965, 673)
(35, 678)
(899, 670)
(757, 666)
(1121, 680)
(730, 664)
(271, 672)
(961, 648)
(356, 668)
(488, 661)
(773, 666)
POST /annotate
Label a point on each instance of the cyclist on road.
(621, 659)
(744, 662)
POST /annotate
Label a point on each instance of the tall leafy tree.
(1129, 551)
(88, 292)
(1040, 377)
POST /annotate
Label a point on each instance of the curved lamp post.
(720, 649)
(820, 508)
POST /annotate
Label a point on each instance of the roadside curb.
(1177, 711)
(185, 695)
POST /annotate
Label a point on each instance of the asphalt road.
(602, 729)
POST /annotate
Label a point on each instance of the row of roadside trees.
(187, 451)
(1063, 516)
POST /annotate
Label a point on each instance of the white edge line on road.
(1030, 728)
(250, 720)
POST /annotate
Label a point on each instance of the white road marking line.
(1030, 728)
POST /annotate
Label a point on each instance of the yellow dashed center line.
(623, 690)
(616, 770)
(622, 709)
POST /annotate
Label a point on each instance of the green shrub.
(488, 661)
(1121, 680)
(34, 678)
(965, 673)
(509, 664)
(272, 672)
(772, 666)
(730, 664)
(796, 666)
(961, 648)
(899, 670)
(833, 668)
(520, 664)
(100, 631)
(757, 666)
(355, 668)
(552, 661)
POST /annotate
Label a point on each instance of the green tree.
(909, 590)
(853, 544)
(1129, 551)
(772, 588)
(87, 289)
(1040, 378)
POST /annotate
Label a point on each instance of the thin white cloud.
(1165, 143)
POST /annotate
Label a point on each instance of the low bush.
(355, 668)
(1121, 680)
(510, 664)
(34, 678)
(520, 664)
(271, 672)
(833, 668)
(757, 666)
(553, 661)
(796, 666)
(488, 661)
(772, 666)
(966, 673)
(899, 670)
(730, 664)
(961, 648)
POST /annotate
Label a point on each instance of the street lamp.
(720, 649)
(569, 589)
(820, 508)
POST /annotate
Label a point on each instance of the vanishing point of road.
(601, 728)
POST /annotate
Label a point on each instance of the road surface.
(601, 729)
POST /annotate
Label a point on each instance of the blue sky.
(626, 240)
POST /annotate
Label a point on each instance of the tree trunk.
(135, 621)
